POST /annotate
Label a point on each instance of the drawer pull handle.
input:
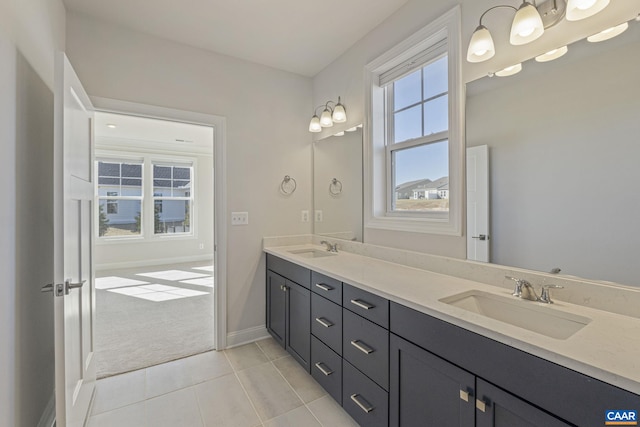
(363, 404)
(324, 322)
(324, 287)
(326, 372)
(362, 347)
(464, 395)
(481, 405)
(362, 304)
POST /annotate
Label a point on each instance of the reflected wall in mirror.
(564, 146)
(338, 204)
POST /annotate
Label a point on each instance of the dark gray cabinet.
(426, 390)
(276, 307)
(289, 308)
(363, 399)
(497, 408)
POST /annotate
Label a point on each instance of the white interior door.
(478, 203)
(74, 291)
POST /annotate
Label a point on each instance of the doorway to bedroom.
(154, 241)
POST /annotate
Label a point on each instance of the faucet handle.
(517, 291)
(545, 295)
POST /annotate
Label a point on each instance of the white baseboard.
(246, 336)
(48, 418)
(153, 262)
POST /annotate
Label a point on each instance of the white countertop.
(608, 348)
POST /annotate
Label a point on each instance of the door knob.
(481, 237)
(50, 287)
(68, 285)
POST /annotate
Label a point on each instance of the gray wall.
(564, 163)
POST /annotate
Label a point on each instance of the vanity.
(403, 346)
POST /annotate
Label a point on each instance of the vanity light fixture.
(609, 33)
(552, 54)
(581, 9)
(111, 126)
(330, 115)
(509, 71)
(529, 23)
(339, 134)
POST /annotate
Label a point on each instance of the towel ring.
(288, 185)
(335, 187)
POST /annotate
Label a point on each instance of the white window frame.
(147, 198)
(377, 176)
(180, 161)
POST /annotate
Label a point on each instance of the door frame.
(219, 125)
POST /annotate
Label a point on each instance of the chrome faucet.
(545, 295)
(330, 247)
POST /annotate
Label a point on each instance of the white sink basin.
(312, 253)
(521, 313)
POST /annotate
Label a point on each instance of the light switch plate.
(239, 218)
(318, 217)
(304, 217)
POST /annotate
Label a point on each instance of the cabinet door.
(497, 408)
(299, 323)
(426, 390)
(276, 307)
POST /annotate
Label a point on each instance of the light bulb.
(582, 9)
(339, 113)
(481, 46)
(509, 71)
(526, 26)
(552, 54)
(314, 125)
(609, 33)
(325, 119)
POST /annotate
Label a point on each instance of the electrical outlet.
(304, 216)
(201, 246)
(318, 216)
(239, 218)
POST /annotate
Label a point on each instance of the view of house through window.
(120, 198)
(417, 140)
(172, 198)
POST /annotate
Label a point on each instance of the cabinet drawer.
(366, 346)
(327, 287)
(326, 322)
(366, 304)
(289, 270)
(363, 399)
(326, 368)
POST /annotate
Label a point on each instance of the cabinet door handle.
(481, 405)
(326, 372)
(324, 287)
(362, 347)
(362, 304)
(464, 395)
(324, 322)
(363, 404)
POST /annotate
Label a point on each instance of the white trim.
(48, 417)
(246, 336)
(220, 190)
(153, 262)
(375, 168)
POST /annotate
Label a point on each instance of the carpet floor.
(152, 315)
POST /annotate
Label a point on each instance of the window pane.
(181, 173)
(421, 177)
(119, 218)
(108, 169)
(436, 78)
(131, 171)
(162, 187)
(406, 91)
(408, 124)
(109, 181)
(172, 216)
(436, 115)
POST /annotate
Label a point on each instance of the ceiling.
(290, 35)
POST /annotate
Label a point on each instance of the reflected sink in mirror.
(523, 314)
(312, 253)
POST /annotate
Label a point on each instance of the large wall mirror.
(564, 149)
(337, 186)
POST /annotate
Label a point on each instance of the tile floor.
(253, 385)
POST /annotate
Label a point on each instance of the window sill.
(415, 225)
